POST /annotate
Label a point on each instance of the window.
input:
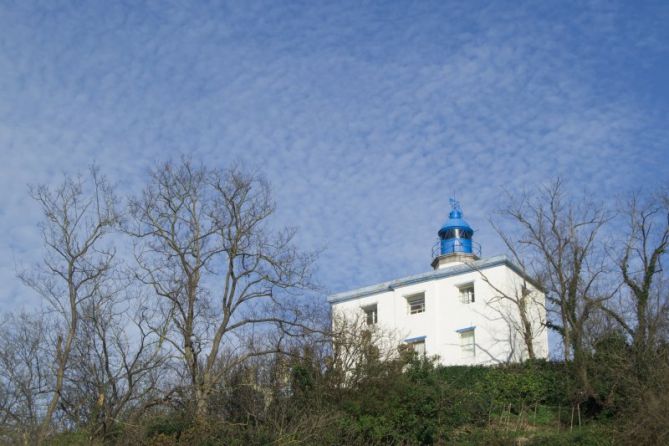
(416, 303)
(418, 346)
(467, 344)
(371, 314)
(467, 293)
(458, 233)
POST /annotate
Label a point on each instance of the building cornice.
(442, 273)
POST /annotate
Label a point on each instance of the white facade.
(447, 323)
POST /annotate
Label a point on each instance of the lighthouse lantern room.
(455, 243)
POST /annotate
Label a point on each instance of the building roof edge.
(454, 270)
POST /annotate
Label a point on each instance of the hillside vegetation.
(181, 314)
(413, 401)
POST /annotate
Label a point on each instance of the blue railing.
(457, 247)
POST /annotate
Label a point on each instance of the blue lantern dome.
(455, 235)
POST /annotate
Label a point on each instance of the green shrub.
(517, 384)
(79, 438)
(170, 425)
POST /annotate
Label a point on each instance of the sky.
(365, 116)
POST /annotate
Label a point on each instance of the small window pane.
(418, 347)
(416, 304)
(457, 233)
(468, 344)
(371, 315)
(467, 294)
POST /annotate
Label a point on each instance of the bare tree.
(116, 363)
(356, 344)
(521, 306)
(24, 376)
(646, 299)
(562, 244)
(78, 215)
(205, 247)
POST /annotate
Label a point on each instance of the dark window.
(467, 294)
(458, 233)
(371, 315)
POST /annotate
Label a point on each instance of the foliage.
(529, 383)
(409, 400)
(201, 339)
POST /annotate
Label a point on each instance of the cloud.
(366, 118)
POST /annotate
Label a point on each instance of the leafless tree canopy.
(78, 215)
(595, 286)
(116, 364)
(204, 246)
(561, 242)
(187, 302)
(643, 308)
(522, 311)
(25, 374)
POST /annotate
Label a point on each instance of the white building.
(466, 310)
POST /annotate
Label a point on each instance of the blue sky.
(365, 116)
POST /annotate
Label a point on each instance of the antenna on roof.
(455, 204)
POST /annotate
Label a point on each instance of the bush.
(169, 425)
(405, 401)
(537, 382)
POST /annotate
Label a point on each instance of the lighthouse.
(455, 243)
(455, 311)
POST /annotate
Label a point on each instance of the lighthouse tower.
(455, 243)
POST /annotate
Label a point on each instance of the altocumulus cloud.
(365, 117)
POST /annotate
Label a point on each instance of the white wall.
(445, 314)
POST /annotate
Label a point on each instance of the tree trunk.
(62, 357)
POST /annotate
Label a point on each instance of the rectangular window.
(467, 293)
(418, 347)
(371, 314)
(416, 303)
(467, 344)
